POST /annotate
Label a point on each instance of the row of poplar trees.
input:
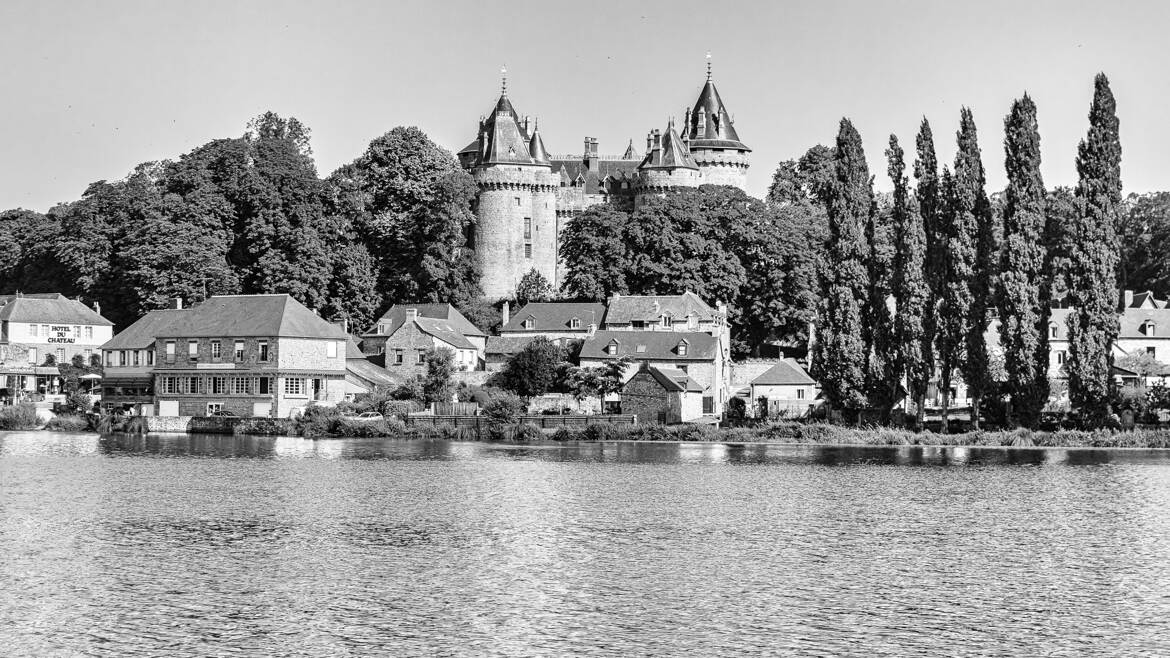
(957, 262)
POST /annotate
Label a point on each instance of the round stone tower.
(668, 165)
(516, 229)
(711, 137)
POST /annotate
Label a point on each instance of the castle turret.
(668, 164)
(710, 131)
(516, 231)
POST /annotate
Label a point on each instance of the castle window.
(701, 125)
(527, 228)
(517, 201)
(528, 250)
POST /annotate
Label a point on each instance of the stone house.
(662, 395)
(36, 326)
(554, 320)
(128, 362)
(434, 325)
(698, 355)
(251, 355)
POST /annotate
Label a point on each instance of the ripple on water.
(194, 546)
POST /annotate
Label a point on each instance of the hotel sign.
(61, 334)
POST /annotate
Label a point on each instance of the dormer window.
(664, 322)
(529, 323)
(682, 348)
(1053, 331)
(612, 348)
(692, 321)
(575, 323)
(641, 349)
(1148, 328)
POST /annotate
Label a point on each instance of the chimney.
(614, 297)
(1128, 299)
(411, 314)
(505, 315)
(177, 303)
(649, 142)
(592, 329)
(97, 308)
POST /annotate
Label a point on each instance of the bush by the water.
(68, 423)
(319, 422)
(18, 417)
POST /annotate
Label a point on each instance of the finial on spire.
(504, 80)
(708, 66)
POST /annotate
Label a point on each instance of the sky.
(91, 89)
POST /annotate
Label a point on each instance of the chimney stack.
(177, 303)
(1128, 299)
(97, 308)
(505, 315)
(411, 314)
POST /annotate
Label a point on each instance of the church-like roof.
(709, 125)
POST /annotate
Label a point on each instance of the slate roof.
(556, 316)
(352, 350)
(719, 131)
(50, 308)
(617, 170)
(673, 379)
(444, 331)
(1134, 319)
(651, 345)
(508, 142)
(252, 315)
(142, 333)
(507, 345)
(376, 375)
(396, 315)
(672, 153)
(1142, 298)
(786, 372)
(624, 309)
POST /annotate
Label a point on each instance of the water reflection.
(184, 445)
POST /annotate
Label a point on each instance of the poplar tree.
(929, 206)
(840, 352)
(957, 242)
(1023, 308)
(1093, 322)
(970, 267)
(909, 288)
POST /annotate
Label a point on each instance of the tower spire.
(708, 66)
(504, 79)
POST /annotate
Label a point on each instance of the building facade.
(38, 326)
(526, 196)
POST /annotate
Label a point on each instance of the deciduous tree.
(911, 293)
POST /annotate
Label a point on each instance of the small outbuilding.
(785, 389)
(662, 395)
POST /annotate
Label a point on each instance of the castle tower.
(516, 230)
(668, 165)
(711, 137)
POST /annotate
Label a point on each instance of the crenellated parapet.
(528, 179)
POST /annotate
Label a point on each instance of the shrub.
(318, 421)
(399, 408)
(601, 432)
(19, 417)
(503, 408)
(566, 434)
(527, 432)
(68, 423)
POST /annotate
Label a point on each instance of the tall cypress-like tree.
(971, 283)
(1093, 323)
(1023, 283)
(840, 352)
(929, 207)
(910, 291)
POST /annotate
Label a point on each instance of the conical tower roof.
(709, 124)
(670, 153)
(630, 153)
(536, 146)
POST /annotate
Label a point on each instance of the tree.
(840, 351)
(593, 247)
(1144, 235)
(598, 380)
(1023, 307)
(411, 204)
(533, 370)
(1093, 322)
(533, 287)
(911, 294)
(930, 204)
(883, 367)
(436, 383)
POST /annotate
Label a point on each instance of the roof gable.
(650, 308)
(786, 372)
(396, 315)
(49, 308)
(651, 345)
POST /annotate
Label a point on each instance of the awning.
(47, 370)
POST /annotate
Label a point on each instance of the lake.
(215, 545)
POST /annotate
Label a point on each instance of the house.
(361, 375)
(251, 355)
(784, 389)
(554, 320)
(662, 395)
(699, 355)
(37, 326)
(407, 331)
(128, 363)
(501, 349)
(1144, 329)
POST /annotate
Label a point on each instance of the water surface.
(204, 545)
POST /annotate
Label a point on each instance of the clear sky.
(92, 88)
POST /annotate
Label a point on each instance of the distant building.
(363, 376)
(662, 395)
(128, 362)
(526, 196)
(36, 326)
(407, 331)
(251, 355)
(784, 389)
(555, 320)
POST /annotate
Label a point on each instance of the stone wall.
(645, 398)
(409, 341)
(728, 168)
(507, 196)
(310, 354)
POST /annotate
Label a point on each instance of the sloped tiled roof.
(252, 315)
(352, 350)
(397, 315)
(618, 170)
(718, 129)
(680, 379)
(1134, 319)
(651, 345)
(444, 331)
(142, 333)
(375, 375)
(786, 372)
(627, 308)
(50, 308)
(672, 154)
(556, 316)
(1146, 299)
(507, 345)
